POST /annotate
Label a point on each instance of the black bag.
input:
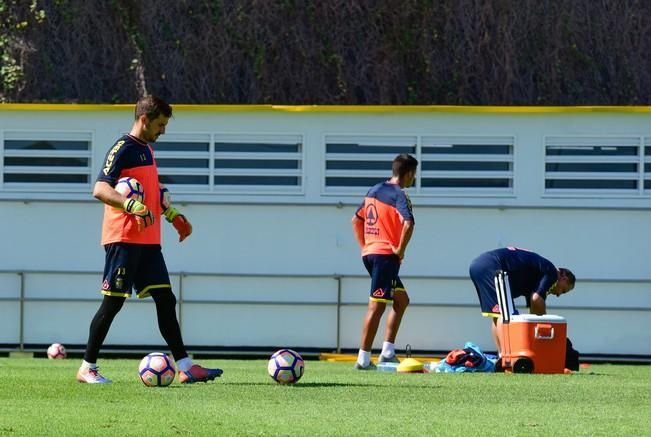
(571, 356)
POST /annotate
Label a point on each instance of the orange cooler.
(533, 344)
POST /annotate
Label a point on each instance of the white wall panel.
(609, 332)
(603, 239)
(60, 322)
(259, 325)
(424, 328)
(9, 285)
(257, 288)
(67, 323)
(63, 285)
(9, 322)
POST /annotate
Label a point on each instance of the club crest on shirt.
(371, 215)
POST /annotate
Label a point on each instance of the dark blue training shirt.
(528, 271)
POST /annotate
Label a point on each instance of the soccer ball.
(56, 351)
(156, 370)
(165, 198)
(131, 188)
(286, 366)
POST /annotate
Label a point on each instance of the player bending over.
(530, 275)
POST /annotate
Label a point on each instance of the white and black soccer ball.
(56, 351)
(286, 366)
(156, 370)
(131, 188)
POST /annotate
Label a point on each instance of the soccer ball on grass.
(286, 366)
(56, 351)
(156, 370)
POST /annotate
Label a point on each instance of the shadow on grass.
(306, 385)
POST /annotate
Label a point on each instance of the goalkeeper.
(131, 239)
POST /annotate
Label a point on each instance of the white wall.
(254, 255)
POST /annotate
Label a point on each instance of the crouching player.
(530, 275)
(131, 239)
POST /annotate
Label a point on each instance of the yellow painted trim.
(62, 107)
(114, 294)
(334, 108)
(146, 292)
(351, 358)
(375, 299)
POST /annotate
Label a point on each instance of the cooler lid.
(532, 318)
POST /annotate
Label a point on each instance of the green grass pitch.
(41, 397)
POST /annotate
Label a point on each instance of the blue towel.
(468, 359)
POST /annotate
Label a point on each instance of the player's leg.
(380, 293)
(171, 331)
(99, 328)
(482, 273)
(394, 318)
(495, 334)
(369, 330)
(119, 269)
(168, 323)
(154, 280)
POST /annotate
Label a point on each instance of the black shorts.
(384, 276)
(139, 266)
(482, 273)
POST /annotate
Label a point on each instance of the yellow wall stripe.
(335, 108)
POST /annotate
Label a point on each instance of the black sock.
(100, 325)
(168, 323)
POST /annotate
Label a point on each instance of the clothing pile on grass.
(468, 359)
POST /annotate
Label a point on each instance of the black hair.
(152, 107)
(568, 273)
(403, 164)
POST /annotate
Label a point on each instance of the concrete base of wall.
(21, 354)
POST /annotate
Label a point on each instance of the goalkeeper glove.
(143, 215)
(180, 223)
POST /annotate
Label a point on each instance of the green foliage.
(578, 52)
(41, 397)
(15, 19)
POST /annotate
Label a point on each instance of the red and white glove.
(180, 223)
(172, 215)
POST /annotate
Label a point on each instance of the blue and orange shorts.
(128, 266)
(385, 281)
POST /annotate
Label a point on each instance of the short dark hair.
(152, 107)
(403, 164)
(568, 274)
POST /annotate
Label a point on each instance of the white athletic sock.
(388, 349)
(363, 358)
(184, 364)
(86, 365)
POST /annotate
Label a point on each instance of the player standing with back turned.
(383, 226)
(131, 239)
